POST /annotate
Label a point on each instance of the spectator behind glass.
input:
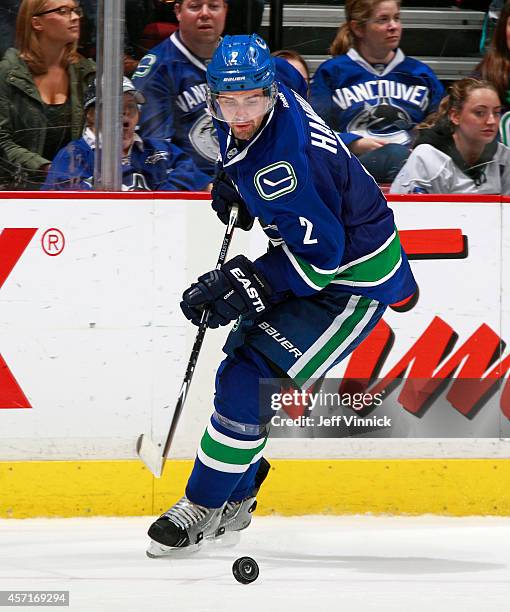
(296, 60)
(8, 12)
(291, 73)
(370, 91)
(457, 150)
(42, 83)
(148, 164)
(172, 77)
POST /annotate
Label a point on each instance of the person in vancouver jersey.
(371, 92)
(333, 265)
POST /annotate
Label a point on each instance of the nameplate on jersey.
(275, 180)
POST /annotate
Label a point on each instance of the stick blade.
(150, 454)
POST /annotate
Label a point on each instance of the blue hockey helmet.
(241, 63)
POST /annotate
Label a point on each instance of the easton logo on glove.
(253, 294)
(236, 289)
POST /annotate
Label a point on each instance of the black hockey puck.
(245, 570)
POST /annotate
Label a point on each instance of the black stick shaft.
(199, 339)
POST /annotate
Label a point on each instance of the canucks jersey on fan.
(174, 83)
(383, 102)
(151, 165)
(328, 224)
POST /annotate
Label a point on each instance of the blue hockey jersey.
(173, 80)
(383, 102)
(151, 165)
(326, 218)
(174, 84)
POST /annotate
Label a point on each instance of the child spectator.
(457, 149)
(149, 164)
(42, 83)
(371, 91)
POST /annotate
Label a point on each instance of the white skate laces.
(185, 513)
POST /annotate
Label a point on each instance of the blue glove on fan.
(236, 289)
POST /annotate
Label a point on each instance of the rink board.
(93, 349)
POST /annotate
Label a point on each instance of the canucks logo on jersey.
(275, 180)
(382, 119)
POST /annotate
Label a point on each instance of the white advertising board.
(93, 345)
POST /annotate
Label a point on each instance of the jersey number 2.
(308, 233)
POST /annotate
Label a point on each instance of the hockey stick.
(150, 453)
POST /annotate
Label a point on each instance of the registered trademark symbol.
(53, 242)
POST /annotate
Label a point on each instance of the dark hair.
(458, 93)
(290, 54)
(495, 65)
(359, 11)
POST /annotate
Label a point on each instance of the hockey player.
(334, 264)
(149, 164)
(457, 150)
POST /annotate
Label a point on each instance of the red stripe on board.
(432, 242)
(11, 395)
(438, 197)
(13, 242)
(103, 195)
(205, 195)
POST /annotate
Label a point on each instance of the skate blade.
(228, 540)
(159, 551)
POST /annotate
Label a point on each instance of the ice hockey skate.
(183, 527)
(186, 526)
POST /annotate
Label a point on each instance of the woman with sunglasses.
(42, 82)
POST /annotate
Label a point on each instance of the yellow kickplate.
(458, 487)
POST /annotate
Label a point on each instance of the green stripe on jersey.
(228, 454)
(336, 340)
(374, 266)
(321, 279)
(311, 275)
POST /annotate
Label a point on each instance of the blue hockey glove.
(237, 288)
(224, 194)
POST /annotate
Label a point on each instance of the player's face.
(478, 121)
(382, 32)
(508, 33)
(130, 116)
(201, 21)
(243, 111)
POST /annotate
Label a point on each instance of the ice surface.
(316, 564)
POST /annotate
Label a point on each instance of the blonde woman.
(42, 82)
(457, 150)
(370, 91)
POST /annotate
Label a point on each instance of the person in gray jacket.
(457, 149)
